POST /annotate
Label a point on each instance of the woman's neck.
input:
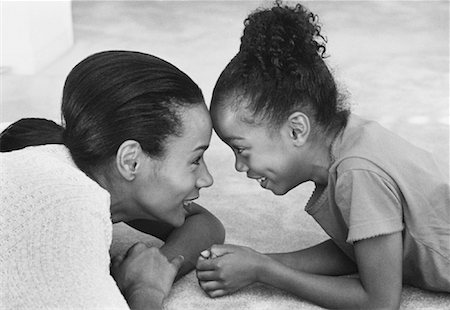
(116, 193)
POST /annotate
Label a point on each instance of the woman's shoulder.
(46, 162)
(47, 175)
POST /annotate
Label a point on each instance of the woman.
(131, 149)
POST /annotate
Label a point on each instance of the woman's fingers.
(136, 248)
(177, 262)
(116, 260)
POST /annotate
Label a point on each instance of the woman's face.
(169, 184)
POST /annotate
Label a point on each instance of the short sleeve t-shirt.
(380, 184)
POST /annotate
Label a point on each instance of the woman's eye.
(197, 161)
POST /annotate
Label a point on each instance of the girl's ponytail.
(30, 132)
(280, 68)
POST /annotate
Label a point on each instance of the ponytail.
(30, 132)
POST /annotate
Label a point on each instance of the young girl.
(383, 202)
(131, 149)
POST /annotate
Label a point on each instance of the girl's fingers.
(207, 275)
(206, 264)
(209, 286)
(217, 293)
(218, 250)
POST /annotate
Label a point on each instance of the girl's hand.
(224, 269)
(144, 271)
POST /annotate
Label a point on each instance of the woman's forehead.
(197, 129)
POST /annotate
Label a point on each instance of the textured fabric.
(55, 234)
(380, 184)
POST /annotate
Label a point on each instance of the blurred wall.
(34, 34)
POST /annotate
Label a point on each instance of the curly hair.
(280, 67)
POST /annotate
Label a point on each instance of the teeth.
(187, 203)
(260, 180)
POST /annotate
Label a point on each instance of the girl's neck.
(321, 156)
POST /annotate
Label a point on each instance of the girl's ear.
(128, 159)
(298, 127)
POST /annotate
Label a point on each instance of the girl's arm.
(379, 261)
(324, 258)
(200, 230)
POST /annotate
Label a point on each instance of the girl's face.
(269, 157)
(168, 185)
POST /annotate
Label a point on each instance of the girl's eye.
(239, 150)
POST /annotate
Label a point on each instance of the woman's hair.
(280, 68)
(22, 134)
(108, 98)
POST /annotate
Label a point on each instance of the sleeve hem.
(374, 229)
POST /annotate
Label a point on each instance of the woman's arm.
(200, 230)
(379, 261)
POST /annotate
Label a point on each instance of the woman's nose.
(205, 179)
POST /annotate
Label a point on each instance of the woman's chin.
(177, 219)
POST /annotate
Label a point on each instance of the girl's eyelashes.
(238, 150)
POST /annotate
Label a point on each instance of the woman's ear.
(128, 159)
(298, 127)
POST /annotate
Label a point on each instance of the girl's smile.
(269, 157)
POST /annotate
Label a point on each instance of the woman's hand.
(224, 269)
(144, 275)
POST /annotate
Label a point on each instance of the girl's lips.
(263, 182)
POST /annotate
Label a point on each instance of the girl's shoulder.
(367, 144)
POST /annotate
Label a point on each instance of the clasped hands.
(224, 269)
(221, 270)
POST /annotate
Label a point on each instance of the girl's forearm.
(325, 291)
(325, 258)
(200, 231)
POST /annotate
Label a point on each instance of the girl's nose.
(240, 166)
(205, 179)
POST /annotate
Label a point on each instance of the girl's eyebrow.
(201, 147)
(232, 138)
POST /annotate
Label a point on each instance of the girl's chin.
(277, 191)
